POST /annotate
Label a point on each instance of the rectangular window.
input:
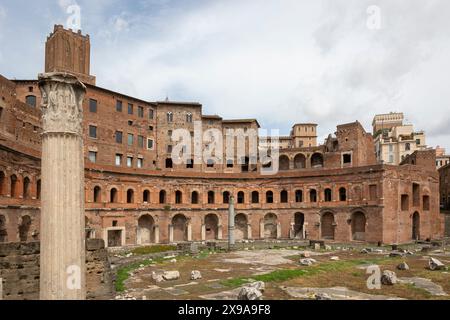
(92, 105)
(129, 162)
(169, 133)
(140, 112)
(169, 148)
(140, 141)
(130, 108)
(405, 202)
(151, 114)
(140, 163)
(118, 159)
(150, 144)
(119, 136)
(391, 158)
(92, 156)
(150, 128)
(93, 132)
(119, 106)
(130, 139)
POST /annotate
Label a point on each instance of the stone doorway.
(114, 238)
(270, 226)
(299, 222)
(416, 226)
(179, 223)
(240, 227)
(211, 227)
(145, 231)
(327, 226)
(359, 226)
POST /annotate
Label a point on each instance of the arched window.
(113, 196)
(284, 196)
(162, 196)
(178, 197)
(313, 195)
(31, 101)
(226, 197)
(169, 116)
(146, 196)
(241, 197)
(189, 117)
(298, 196)
(284, 162)
(408, 146)
(194, 197)
(317, 160)
(210, 197)
(130, 196)
(26, 188)
(255, 197)
(269, 197)
(342, 194)
(97, 194)
(13, 185)
(328, 195)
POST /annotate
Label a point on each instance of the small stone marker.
(403, 266)
(435, 264)
(195, 275)
(389, 278)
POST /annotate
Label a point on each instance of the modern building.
(394, 140)
(136, 194)
(442, 159)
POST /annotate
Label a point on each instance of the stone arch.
(26, 183)
(327, 225)
(300, 161)
(299, 224)
(240, 226)
(180, 223)
(284, 162)
(145, 230)
(359, 226)
(415, 232)
(270, 226)
(3, 229)
(317, 160)
(211, 227)
(97, 194)
(13, 183)
(24, 228)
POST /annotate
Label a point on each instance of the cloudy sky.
(281, 61)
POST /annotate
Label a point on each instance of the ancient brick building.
(136, 194)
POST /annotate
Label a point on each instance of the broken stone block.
(171, 275)
(403, 266)
(157, 277)
(327, 247)
(307, 262)
(435, 264)
(317, 246)
(389, 278)
(195, 275)
(364, 251)
(306, 254)
(173, 261)
(249, 293)
(259, 285)
(322, 296)
(334, 258)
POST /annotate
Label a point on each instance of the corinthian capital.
(62, 103)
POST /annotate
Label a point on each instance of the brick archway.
(358, 226)
(270, 226)
(211, 227)
(240, 226)
(179, 223)
(327, 226)
(145, 231)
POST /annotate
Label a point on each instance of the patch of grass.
(288, 274)
(153, 249)
(124, 273)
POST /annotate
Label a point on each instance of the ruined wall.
(19, 269)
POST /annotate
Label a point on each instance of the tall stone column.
(231, 240)
(62, 200)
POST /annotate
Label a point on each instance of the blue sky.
(281, 61)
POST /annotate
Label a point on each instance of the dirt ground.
(341, 273)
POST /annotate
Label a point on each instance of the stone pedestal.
(62, 201)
